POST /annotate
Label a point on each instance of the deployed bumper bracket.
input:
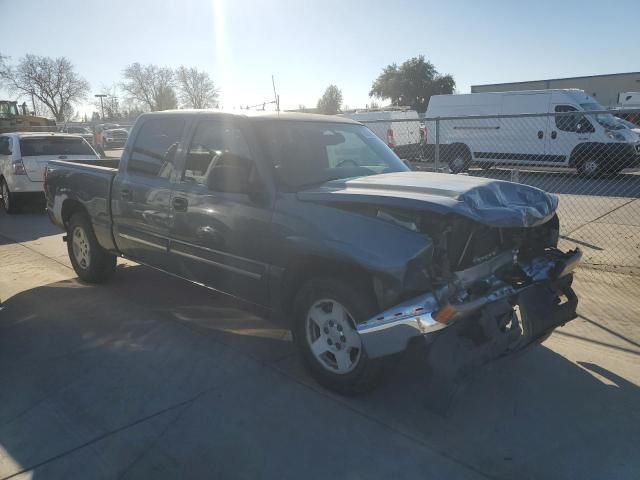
(545, 302)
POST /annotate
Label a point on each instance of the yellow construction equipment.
(14, 118)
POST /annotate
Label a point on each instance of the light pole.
(101, 96)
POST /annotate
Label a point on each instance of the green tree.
(412, 83)
(331, 100)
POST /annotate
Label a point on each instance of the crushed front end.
(511, 284)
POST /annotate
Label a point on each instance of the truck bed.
(86, 183)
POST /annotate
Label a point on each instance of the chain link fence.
(591, 160)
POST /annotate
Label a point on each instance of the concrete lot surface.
(150, 377)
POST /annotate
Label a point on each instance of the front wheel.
(590, 168)
(326, 312)
(89, 260)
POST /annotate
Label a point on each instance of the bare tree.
(52, 81)
(151, 86)
(196, 88)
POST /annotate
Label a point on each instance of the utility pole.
(101, 96)
(276, 97)
(33, 103)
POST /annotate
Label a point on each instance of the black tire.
(9, 204)
(590, 168)
(367, 373)
(101, 264)
(459, 158)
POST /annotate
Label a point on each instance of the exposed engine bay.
(512, 282)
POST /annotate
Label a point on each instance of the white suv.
(24, 157)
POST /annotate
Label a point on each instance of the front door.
(141, 195)
(221, 229)
(566, 131)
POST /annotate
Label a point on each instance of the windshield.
(607, 120)
(55, 146)
(310, 153)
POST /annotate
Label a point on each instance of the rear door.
(522, 140)
(36, 151)
(141, 192)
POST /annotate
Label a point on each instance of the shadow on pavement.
(148, 376)
(30, 223)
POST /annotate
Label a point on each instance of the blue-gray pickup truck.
(315, 219)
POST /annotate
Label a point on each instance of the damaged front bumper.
(535, 289)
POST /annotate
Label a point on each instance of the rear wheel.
(459, 159)
(8, 199)
(326, 312)
(89, 260)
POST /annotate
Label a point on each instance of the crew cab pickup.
(315, 219)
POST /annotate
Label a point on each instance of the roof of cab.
(261, 116)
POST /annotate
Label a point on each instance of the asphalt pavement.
(148, 376)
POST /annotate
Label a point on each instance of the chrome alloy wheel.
(81, 247)
(332, 336)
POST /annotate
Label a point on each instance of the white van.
(629, 99)
(397, 128)
(593, 143)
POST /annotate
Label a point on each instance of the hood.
(491, 202)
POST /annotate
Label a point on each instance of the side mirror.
(584, 126)
(408, 164)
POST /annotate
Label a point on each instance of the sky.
(310, 44)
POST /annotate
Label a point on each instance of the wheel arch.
(457, 147)
(307, 267)
(70, 206)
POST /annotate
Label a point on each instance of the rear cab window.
(155, 147)
(51, 146)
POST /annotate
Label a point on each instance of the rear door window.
(156, 144)
(50, 146)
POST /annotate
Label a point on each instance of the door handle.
(180, 204)
(540, 134)
(554, 134)
(126, 195)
